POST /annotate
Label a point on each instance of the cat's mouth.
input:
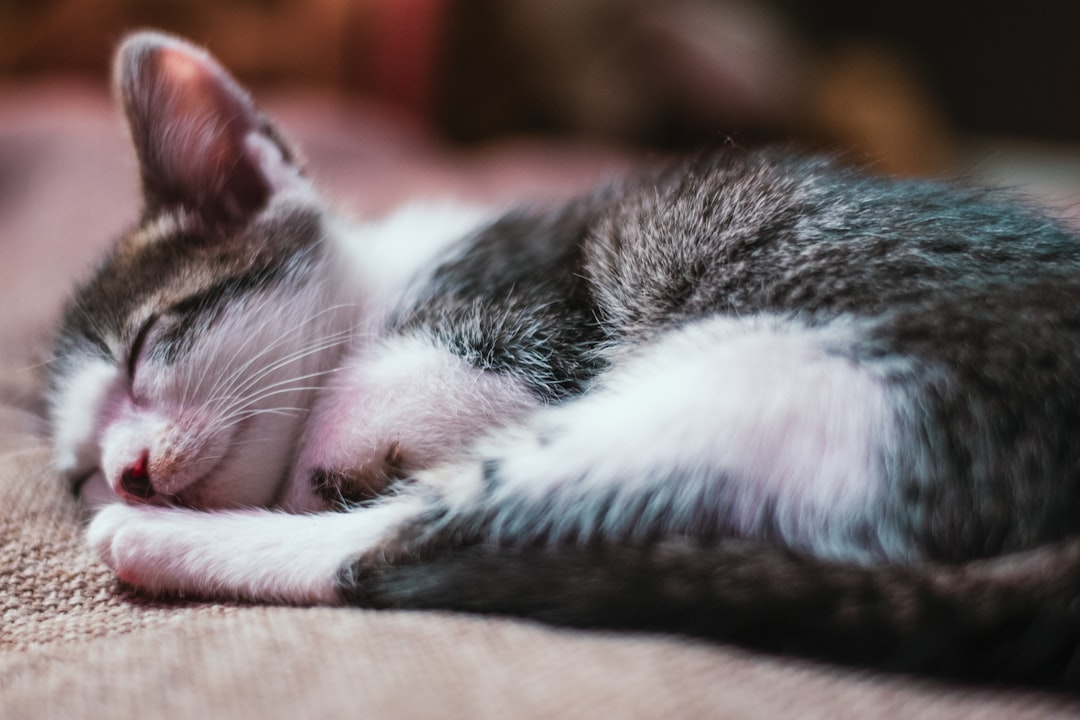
(192, 496)
(136, 487)
(199, 493)
(210, 488)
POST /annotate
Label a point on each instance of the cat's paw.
(325, 480)
(148, 547)
(359, 484)
(251, 554)
(103, 529)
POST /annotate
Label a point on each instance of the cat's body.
(756, 397)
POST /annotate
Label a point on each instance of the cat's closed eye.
(138, 345)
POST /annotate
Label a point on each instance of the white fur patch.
(252, 554)
(385, 257)
(793, 432)
(76, 409)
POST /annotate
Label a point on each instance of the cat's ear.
(201, 142)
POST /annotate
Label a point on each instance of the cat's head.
(185, 366)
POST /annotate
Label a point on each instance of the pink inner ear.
(201, 93)
(213, 120)
(180, 67)
(191, 124)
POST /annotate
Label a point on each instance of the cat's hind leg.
(761, 428)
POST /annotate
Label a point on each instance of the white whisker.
(238, 386)
(239, 372)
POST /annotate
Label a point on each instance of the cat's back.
(929, 269)
(776, 232)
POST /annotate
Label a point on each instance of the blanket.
(74, 644)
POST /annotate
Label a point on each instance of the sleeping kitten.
(756, 397)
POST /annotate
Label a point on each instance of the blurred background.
(910, 86)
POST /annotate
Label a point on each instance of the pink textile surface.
(74, 645)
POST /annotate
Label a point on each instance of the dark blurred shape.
(995, 66)
(680, 74)
(887, 81)
(629, 70)
(263, 41)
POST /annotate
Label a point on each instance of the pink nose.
(135, 480)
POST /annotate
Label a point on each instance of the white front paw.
(132, 541)
(104, 528)
(253, 554)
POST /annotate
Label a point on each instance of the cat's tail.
(1014, 619)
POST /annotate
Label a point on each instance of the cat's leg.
(255, 554)
(396, 407)
(760, 428)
